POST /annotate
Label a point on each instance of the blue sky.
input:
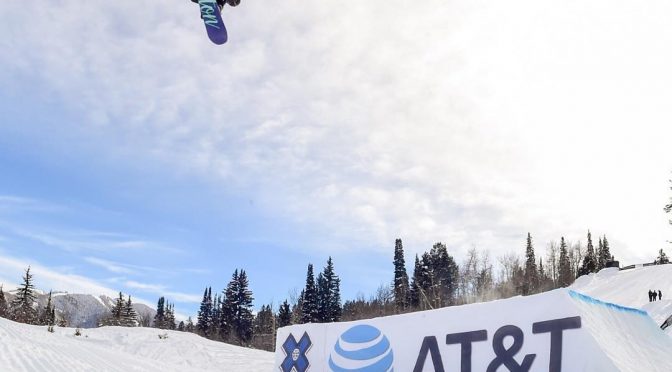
(136, 156)
(78, 208)
(139, 227)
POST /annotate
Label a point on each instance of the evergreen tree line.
(320, 300)
(438, 281)
(227, 316)
(165, 315)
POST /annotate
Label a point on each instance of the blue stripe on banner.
(382, 365)
(583, 297)
(364, 354)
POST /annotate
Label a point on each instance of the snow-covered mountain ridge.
(86, 310)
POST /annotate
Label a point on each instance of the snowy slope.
(630, 288)
(33, 349)
(630, 339)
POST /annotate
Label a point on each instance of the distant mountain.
(85, 310)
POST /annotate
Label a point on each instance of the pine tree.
(284, 315)
(425, 283)
(518, 279)
(189, 327)
(309, 310)
(531, 284)
(590, 261)
(322, 299)
(605, 255)
(242, 324)
(229, 308)
(565, 277)
(443, 273)
(545, 282)
(297, 309)
(237, 317)
(601, 261)
(328, 294)
(52, 319)
(160, 317)
(401, 285)
(414, 295)
(129, 317)
(336, 310)
(3, 304)
(662, 258)
(47, 317)
(22, 305)
(264, 322)
(204, 320)
(118, 311)
(169, 320)
(217, 314)
(181, 326)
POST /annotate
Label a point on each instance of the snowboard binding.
(221, 3)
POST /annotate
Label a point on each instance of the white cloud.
(161, 290)
(86, 241)
(45, 278)
(467, 122)
(16, 204)
(137, 270)
(113, 267)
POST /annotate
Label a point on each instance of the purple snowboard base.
(212, 18)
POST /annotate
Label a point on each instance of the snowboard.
(212, 18)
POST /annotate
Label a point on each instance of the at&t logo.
(362, 348)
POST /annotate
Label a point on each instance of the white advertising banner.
(538, 333)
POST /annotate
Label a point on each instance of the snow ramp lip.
(595, 301)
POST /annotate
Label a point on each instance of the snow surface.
(33, 349)
(631, 340)
(631, 287)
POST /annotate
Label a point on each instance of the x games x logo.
(295, 354)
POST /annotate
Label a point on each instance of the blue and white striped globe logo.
(362, 348)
